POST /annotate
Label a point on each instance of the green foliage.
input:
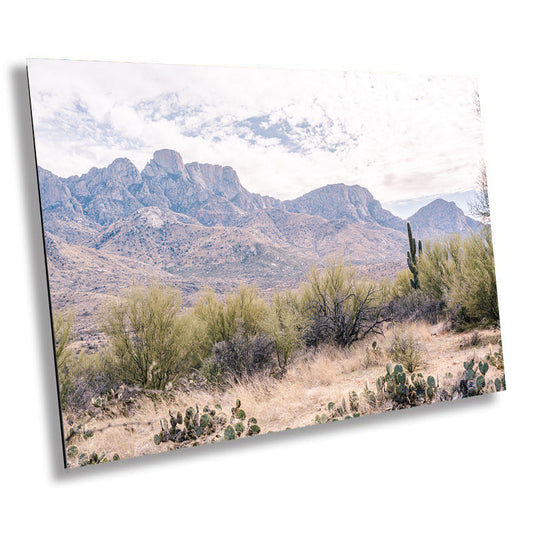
(404, 390)
(85, 459)
(241, 424)
(243, 355)
(229, 433)
(188, 428)
(62, 324)
(72, 451)
(401, 286)
(78, 432)
(438, 267)
(406, 350)
(412, 260)
(474, 287)
(287, 325)
(496, 358)
(87, 376)
(473, 381)
(150, 341)
(219, 321)
(460, 271)
(95, 458)
(341, 307)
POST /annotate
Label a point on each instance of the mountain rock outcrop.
(345, 202)
(440, 218)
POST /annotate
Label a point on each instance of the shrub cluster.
(406, 350)
(456, 280)
(153, 342)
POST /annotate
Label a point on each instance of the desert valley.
(188, 309)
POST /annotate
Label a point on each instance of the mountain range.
(195, 224)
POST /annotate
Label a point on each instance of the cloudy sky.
(284, 131)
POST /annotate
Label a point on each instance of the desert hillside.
(194, 224)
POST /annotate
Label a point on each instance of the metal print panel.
(238, 251)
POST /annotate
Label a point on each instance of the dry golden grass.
(328, 374)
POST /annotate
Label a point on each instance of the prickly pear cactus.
(186, 430)
(229, 433)
(242, 426)
(85, 459)
(343, 410)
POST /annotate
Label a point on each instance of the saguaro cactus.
(412, 260)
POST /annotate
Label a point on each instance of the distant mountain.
(345, 202)
(107, 208)
(440, 218)
(407, 208)
(195, 224)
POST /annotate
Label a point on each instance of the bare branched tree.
(480, 207)
(344, 309)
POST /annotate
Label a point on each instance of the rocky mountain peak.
(223, 181)
(441, 217)
(125, 170)
(55, 195)
(165, 162)
(348, 202)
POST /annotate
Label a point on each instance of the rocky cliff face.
(224, 182)
(105, 194)
(211, 194)
(345, 202)
(56, 195)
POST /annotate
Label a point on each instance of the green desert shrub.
(150, 341)
(62, 325)
(474, 286)
(416, 306)
(342, 307)
(456, 274)
(218, 321)
(401, 286)
(91, 375)
(404, 349)
(287, 325)
(438, 266)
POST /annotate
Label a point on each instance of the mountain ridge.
(192, 224)
(337, 219)
(211, 193)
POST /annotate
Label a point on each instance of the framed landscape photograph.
(238, 251)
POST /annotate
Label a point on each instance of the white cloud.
(285, 132)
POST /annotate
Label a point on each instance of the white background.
(442, 468)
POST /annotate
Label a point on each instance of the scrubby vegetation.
(157, 348)
(456, 280)
(406, 350)
(150, 340)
